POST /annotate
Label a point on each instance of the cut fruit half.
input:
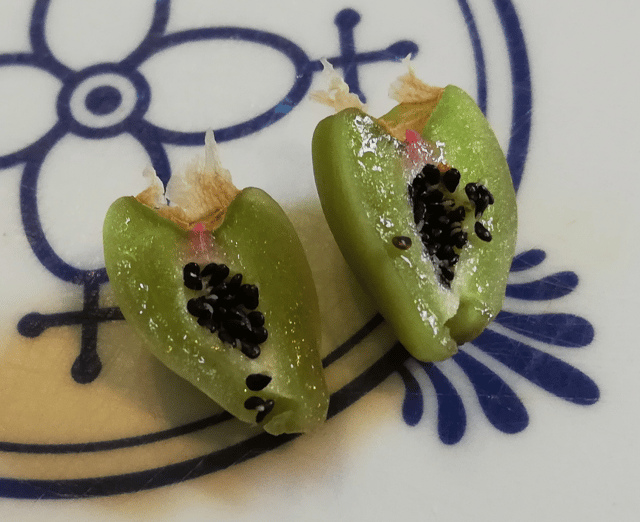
(422, 206)
(222, 293)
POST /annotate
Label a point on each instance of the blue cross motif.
(104, 99)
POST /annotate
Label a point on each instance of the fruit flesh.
(362, 184)
(471, 146)
(145, 255)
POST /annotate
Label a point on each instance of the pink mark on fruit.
(412, 136)
(418, 152)
(200, 241)
(415, 151)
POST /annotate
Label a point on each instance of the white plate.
(533, 420)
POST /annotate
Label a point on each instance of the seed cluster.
(440, 220)
(228, 307)
(480, 196)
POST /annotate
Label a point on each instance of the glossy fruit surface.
(145, 257)
(472, 147)
(363, 183)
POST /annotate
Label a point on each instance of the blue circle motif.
(70, 124)
(103, 100)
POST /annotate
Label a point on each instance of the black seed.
(249, 296)
(194, 307)
(226, 337)
(234, 283)
(217, 273)
(484, 198)
(219, 313)
(401, 242)
(207, 310)
(221, 290)
(253, 402)
(433, 196)
(208, 323)
(436, 209)
(246, 322)
(450, 179)
(418, 184)
(191, 269)
(258, 381)
(191, 276)
(235, 314)
(197, 306)
(431, 174)
(482, 190)
(481, 206)
(443, 220)
(264, 410)
(209, 269)
(445, 252)
(447, 273)
(459, 239)
(471, 189)
(212, 299)
(482, 232)
(457, 214)
(249, 349)
(237, 329)
(436, 233)
(490, 196)
(229, 301)
(256, 318)
(432, 248)
(259, 335)
(419, 211)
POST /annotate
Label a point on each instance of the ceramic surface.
(536, 419)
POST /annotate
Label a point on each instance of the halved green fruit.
(145, 255)
(362, 180)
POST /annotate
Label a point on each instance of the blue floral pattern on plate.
(105, 86)
(499, 403)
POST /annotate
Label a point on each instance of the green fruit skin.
(363, 191)
(145, 255)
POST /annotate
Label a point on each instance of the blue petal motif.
(542, 369)
(527, 260)
(500, 404)
(550, 287)
(452, 419)
(565, 330)
(413, 403)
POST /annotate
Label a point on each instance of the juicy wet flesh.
(228, 308)
(439, 212)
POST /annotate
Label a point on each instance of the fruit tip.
(201, 192)
(408, 88)
(337, 94)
